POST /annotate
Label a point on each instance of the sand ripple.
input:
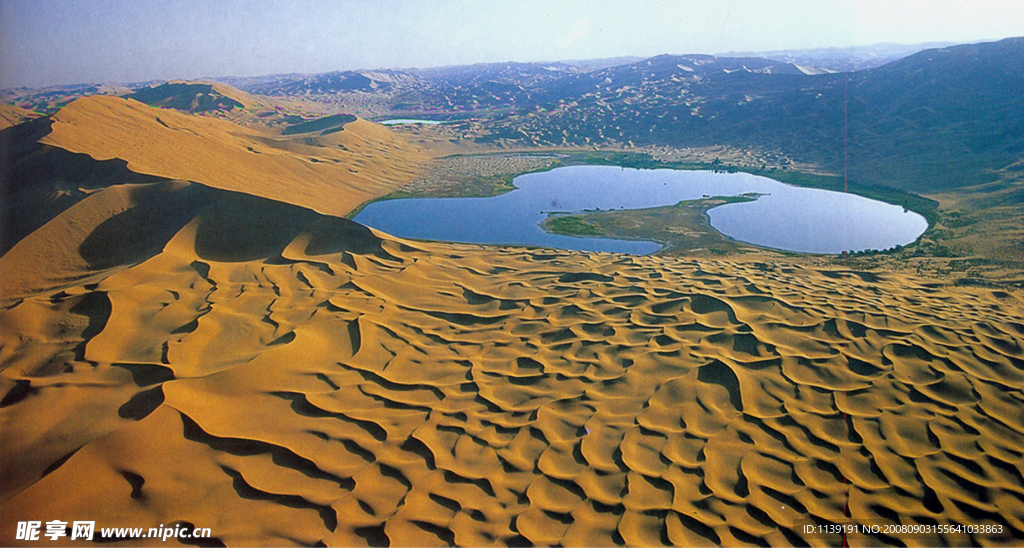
(367, 391)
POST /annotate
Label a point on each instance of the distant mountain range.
(941, 118)
(816, 60)
(937, 119)
(490, 84)
(843, 59)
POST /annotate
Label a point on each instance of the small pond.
(783, 216)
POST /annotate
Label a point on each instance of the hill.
(332, 175)
(96, 143)
(49, 100)
(940, 119)
(194, 97)
(458, 90)
(218, 100)
(322, 126)
(936, 120)
(844, 59)
(330, 83)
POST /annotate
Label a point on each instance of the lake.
(397, 121)
(784, 217)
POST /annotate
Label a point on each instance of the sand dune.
(108, 229)
(324, 383)
(331, 177)
(197, 97)
(12, 116)
(217, 100)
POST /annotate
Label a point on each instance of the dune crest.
(325, 383)
(196, 97)
(107, 230)
(329, 178)
(219, 100)
(12, 116)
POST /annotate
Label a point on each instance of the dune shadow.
(136, 482)
(280, 455)
(418, 447)
(442, 533)
(145, 375)
(96, 307)
(722, 375)
(332, 235)
(142, 231)
(374, 535)
(22, 389)
(245, 490)
(240, 227)
(38, 182)
(142, 404)
(572, 278)
(483, 484)
(300, 404)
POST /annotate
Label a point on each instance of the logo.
(55, 529)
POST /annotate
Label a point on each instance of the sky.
(51, 42)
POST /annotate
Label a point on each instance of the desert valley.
(197, 329)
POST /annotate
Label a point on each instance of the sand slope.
(331, 176)
(317, 382)
(108, 229)
(12, 116)
(196, 97)
(214, 99)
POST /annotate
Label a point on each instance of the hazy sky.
(44, 42)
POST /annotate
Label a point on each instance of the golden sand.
(339, 386)
(329, 174)
(183, 352)
(12, 116)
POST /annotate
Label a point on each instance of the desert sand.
(251, 363)
(329, 174)
(12, 116)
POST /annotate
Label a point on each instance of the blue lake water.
(783, 217)
(397, 121)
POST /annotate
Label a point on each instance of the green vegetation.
(924, 206)
(923, 128)
(640, 161)
(682, 228)
(961, 242)
(571, 225)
